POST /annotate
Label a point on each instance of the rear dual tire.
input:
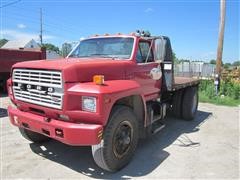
(185, 103)
(190, 103)
(177, 104)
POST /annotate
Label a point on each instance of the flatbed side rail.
(183, 82)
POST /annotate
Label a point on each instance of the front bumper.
(66, 132)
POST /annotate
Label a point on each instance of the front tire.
(119, 141)
(33, 136)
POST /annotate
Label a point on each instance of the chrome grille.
(31, 85)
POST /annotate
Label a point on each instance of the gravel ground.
(207, 148)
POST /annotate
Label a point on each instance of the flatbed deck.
(182, 82)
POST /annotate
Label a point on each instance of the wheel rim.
(194, 107)
(122, 139)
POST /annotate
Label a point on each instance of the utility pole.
(41, 30)
(220, 44)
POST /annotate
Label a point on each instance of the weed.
(229, 93)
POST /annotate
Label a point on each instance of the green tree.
(236, 63)
(183, 60)
(175, 59)
(2, 42)
(51, 47)
(227, 65)
(66, 49)
(213, 61)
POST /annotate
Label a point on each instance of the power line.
(53, 20)
(48, 28)
(9, 4)
(48, 22)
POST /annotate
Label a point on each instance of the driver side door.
(145, 63)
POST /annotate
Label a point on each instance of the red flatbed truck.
(108, 93)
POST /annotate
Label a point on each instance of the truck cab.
(108, 93)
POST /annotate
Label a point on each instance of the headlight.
(89, 104)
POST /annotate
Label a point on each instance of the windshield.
(116, 47)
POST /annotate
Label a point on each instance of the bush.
(208, 89)
(228, 88)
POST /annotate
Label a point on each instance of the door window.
(144, 53)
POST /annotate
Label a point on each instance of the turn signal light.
(98, 79)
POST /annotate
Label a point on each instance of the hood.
(81, 70)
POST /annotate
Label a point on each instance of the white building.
(21, 44)
(29, 44)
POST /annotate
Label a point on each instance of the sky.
(192, 25)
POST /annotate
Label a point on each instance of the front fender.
(106, 94)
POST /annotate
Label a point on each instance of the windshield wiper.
(91, 55)
(101, 55)
(113, 57)
(73, 56)
(96, 55)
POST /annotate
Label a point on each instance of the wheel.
(33, 136)
(119, 141)
(177, 104)
(190, 103)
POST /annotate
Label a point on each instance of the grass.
(226, 101)
(229, 94)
